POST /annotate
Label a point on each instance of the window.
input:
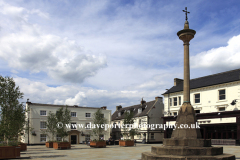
(43, 113)
(175, 101)
(197, 111)
(87, 137)
(43, 125)
(139, 110)
(222, 94)
(139, 121)
(88, 126)
(73, 126)
(102, 115)
(58, 138)
(170, 101)
(88, 115)
(73, 114)
(197, 98)
(179, 101)
(221, 108)
(175, 113)
(139, 136)
(43, 137)
(152, 135)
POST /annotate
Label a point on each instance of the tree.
(63, 117)
(98, 121)
(51, 126)
(128, 125)
(12, 112)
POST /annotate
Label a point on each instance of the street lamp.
(234, 103)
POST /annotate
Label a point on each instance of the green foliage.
(98, 120)
(12, 112)
(51, 126)
(10, 143)
(129, 120)
(63, 116)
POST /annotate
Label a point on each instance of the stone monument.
(185, 142)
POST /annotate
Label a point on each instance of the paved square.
(81, 151)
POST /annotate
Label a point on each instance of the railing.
(223, 142)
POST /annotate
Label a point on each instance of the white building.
(210, 97)
(144, 113)
(79, 115)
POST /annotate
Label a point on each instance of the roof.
(214, 79)
(53, 105)
(135, 110)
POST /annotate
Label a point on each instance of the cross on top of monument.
(186, 12)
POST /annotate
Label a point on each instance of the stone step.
(187, 142)
(152, 156)
(183, 150)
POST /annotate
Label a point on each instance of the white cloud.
(39, 92)
(76, 100)
(26, 47)
(39, 13)
(219, 59)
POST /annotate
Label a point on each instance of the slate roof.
(214, 79)
(135, 110)
(53, 105)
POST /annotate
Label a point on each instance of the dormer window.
(128, 111)
(139, 110)
(119, 114)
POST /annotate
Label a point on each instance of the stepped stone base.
(152, 156)
(187, 151)
(187, 142)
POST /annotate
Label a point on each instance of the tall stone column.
(186, 85)
(186, 113)
(186, 35)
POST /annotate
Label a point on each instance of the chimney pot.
(104, 107)
(158, 98)
(118, 107)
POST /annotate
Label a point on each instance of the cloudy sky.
(112, 52)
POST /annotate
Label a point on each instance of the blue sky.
(112, 52)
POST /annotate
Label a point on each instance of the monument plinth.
(185, 142)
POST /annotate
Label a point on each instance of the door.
(73, 139)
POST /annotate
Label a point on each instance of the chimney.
(104, 107)
(177, 81)
(143, 102)
(158, 99)
(118, 107)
